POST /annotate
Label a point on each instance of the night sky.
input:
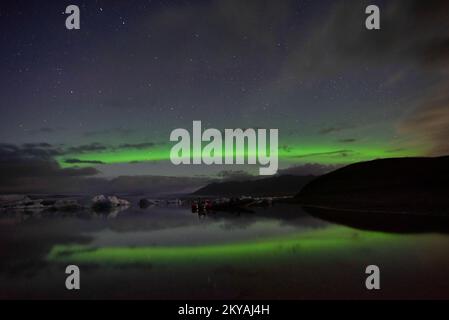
(101, 101)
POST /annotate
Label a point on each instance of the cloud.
(340, 41)
(25, 170)
(394, 150)
(92, 147)
(29, 150)
(43, 145)
(139, 146)
(414, 37)
(349, 140)
(99, 147)
(330, 130)
(429, 124)
(75, 161)
(341, 153)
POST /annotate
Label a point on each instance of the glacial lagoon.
(168, 252)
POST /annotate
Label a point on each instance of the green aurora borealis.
(291, 155)
(332, 239)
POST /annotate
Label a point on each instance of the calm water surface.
(171, 253)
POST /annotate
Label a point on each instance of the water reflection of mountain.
(386, 222)
(284, 214)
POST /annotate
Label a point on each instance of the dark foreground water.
(171, 253)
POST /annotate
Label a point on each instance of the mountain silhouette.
(398, 184)
(283, 185)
